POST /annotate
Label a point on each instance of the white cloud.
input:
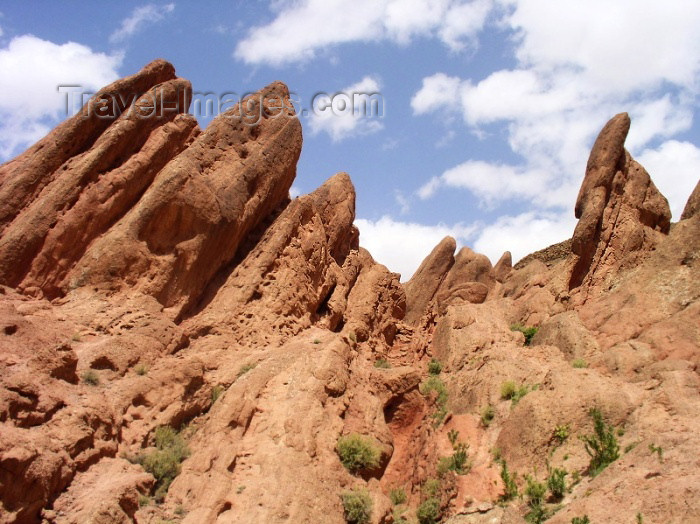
(437, 91)
(349, 112)
(294, 191)
(523, 234)
(575, 69)
(402, 246)
(625, 45)
(675, 169)
(140, 17)
(32, 70)
(301, 28)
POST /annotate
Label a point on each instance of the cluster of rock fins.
(155, 274)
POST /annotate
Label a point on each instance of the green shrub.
(352, 336)
(512, 391)
(561, 433)
(556, 482)
(164, 462)
(434, 367)
(434, 384)
(397, 496)
(658, 450)
(535, 492)
(317, 341)
(459, 461)
(579, 363)
(528, 331)
(90, 377)
(357, 452)
(180, 511)
(510, 487)
(357, 505)
(431, 488)
(487, 415)
(429, 511)
(398, 515)
(382, 363)
(581, 520)
(144, 500)
(141, 370)
(602, 446)
(216, 392)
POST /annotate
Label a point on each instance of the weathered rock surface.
(693, 205)
(621, 213)
(425, 282)
(503, 267)
(186, 290)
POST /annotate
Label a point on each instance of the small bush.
(434, 367)
(602, 446)
(535, 492)
(459, 461)
(216, 392)
(352, 336)
(397, 496)
(398, 516)
(434, 384)
(180, 511)
(382, 363)
(528, 331)
(429, 511)
(487, 415)
(357, 505)
(581, 520)
(561, 433)
(164, 462)
(658, 450)
(511, 391)
(510, 487)
(245, 368)
(431, 488)
(556, 483)
(141, 370)
(357, 452)
(90, 377)
(579, 363)
(317, 341)
(144, 500)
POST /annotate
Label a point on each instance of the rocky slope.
(158, 276)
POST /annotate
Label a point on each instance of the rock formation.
(182, 342)
(693, 205)
(620, 211)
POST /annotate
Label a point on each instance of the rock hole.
(103, 362)
(226, 507)
(10, 330)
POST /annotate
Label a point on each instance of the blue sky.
(490, 107)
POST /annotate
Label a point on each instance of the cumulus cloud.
(675, 169)
(402, 246)
(574, 69)
(350, 111)
(523, 234)
(301, 28)
(32, 71)
(140, 18)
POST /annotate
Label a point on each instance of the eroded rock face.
(189, 291)
(423, 285)
(693, 205)
(621, 213)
